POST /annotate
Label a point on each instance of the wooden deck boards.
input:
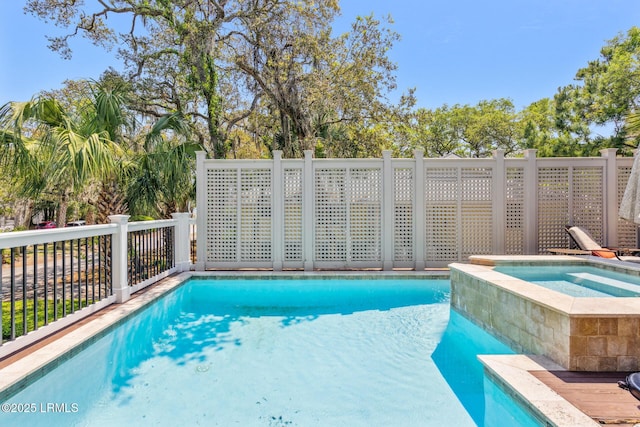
(596, 394)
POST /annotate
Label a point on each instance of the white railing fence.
(50, 279)
(401, 213)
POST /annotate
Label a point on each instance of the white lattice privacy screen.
(401, 213)
(348, 215)
(238, 213)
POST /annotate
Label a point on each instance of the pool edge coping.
(512, 372)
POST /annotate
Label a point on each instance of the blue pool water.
(578, 281)
(348, 352)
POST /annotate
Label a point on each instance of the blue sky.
(452, 51)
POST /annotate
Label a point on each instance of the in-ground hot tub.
(580, 333)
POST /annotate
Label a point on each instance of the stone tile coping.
(482, 268)
(512, 372)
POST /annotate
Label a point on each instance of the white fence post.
(119, 258)
(201, 215)
(531, 203)
(308, 197)
(182, 240)
(610, 184)
(387, 211)
(277, 206)
(419, 213)
(499, 203)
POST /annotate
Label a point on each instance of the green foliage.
(243, 79)
(135, 218)
(464, 130)
(19, 319)
(609, 93)
(64, 151)
(164, 176)
(605, 99)
(268, 68)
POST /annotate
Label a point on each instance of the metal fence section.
(401, 213)
(150, 256)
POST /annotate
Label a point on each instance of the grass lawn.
(6, 315)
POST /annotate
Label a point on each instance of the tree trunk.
(110, 202)
(23, 211)
(287, 147)
(63, 206)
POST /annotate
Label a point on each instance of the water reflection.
(199, 316)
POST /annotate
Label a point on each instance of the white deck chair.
(585, 242)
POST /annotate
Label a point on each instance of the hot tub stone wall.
(576, 342)
(605, 344)
(523, 325)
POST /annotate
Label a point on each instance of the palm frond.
(110, 113)
(632, 125)
(84, 157)
(174, 122)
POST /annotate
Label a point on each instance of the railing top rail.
(571, 161)
(16, 239)
(148, 225)
(235, 163)
(289, 162)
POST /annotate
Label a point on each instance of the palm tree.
(13, 150)
(58, 153)
(154, 178)
(112, 115)
(164, 176)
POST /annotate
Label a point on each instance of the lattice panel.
(255, 215)
(515, 214)
(477, 211)
(553, 207)
(441, 214)
(627, 231)
(293, 214)
(403, 232)
(330, 214)
(222, 186)
(365, 214)
(587, 198)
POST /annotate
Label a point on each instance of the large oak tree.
(218, 62)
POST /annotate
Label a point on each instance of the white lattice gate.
(411, 213)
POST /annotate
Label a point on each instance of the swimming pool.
(577, 281)
(357, 352)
